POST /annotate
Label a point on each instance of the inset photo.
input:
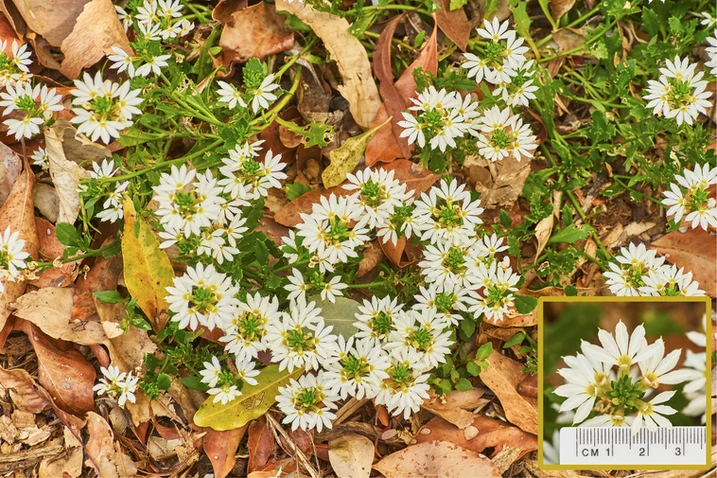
(615, 373)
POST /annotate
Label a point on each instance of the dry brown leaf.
(499, 183)
(387, 144)
(351, 456)
(558, 8)
(10, 167)
(105, 455)
(261, 444)
(65, 176)
(569, 38)
(69, 464)
(18, 214)
(487, 433)
(46, 201)
(290, 214)
(503, 376)
(22, 390)
(53, 20)
(96, 31)
(251, 32)
(66, 374)
(454, 23)
(50, 249)
(695, 251)
(221, 448)
(456, 407)
(51, 309)
(350, 56)
(436, 458)
(544, 228)
(372, 256)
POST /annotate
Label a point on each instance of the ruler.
(618, 446)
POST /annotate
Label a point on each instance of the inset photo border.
(648, 359)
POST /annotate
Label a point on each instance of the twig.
(298, 453)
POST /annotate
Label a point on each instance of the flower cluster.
(641, 272)
(503, 54)
(202, 214)
(12, 257)
(688, 200)
(120, 386)
(112, 205)
(103, 108)
(14, 69)
(679, 92)
(712, 53)
(258, 92)
(611, 384)
(156, 19)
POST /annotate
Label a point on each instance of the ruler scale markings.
(596, 446)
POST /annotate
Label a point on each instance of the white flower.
(122, 61)
(495, 295)
(551, 449)
(246, 370)
(712, 53)
(117, 385)
(624, 349)
(446, 213)
(27, 127)
(300, 339)
(501, 56)
(633, 266)
(689, 197)
(263, 94)
(420, 334)
(230, 95)
(332, 289)
(650, 414)
(224, 394)
(668, 280)
(124, 17)
(212, 371)
(412, 129)
(105, 169)
(245, 332)
(448, 267)
(375, 318)
(12, 256)
(378, 193)
(405, 389)
(153, 65)
(202, 296)
(21, 56)
(584, 377)
(358, 370)
(503, 134)
(678, 93)
(657, 369)
(445, 305)
(39, 158)
(307, 403)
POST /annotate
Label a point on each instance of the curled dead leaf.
(350, 56)
(695, 251)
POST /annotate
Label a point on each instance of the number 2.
(642, 452)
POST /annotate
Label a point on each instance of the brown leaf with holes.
(96, 31)
(436, 458)
(221, 448)
(454, 24)
(18, 214)
(387, 144)
(251, 32)
(455, 407)
(53, 20)
(695, 251)
(64, 372)
(503, 376)
(482, 433)
(22, 390)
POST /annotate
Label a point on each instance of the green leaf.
(341, 314)
(515, 340)
(252, 404)
(570, 290)
(194, 383)
(484, 351)
(521, 17)
(505, 219)
(571, 234)
(296, 190)
(524, 304)
(68, 235)
(464, 385)
(163, 381)
(109, 296)
(345, 158)
(473, 368)
(147, 269)
(456, 4)
(135, 136)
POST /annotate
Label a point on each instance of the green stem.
(369, 284)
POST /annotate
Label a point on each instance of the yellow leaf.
(253, 403)
(147, 270)
(345, 158)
